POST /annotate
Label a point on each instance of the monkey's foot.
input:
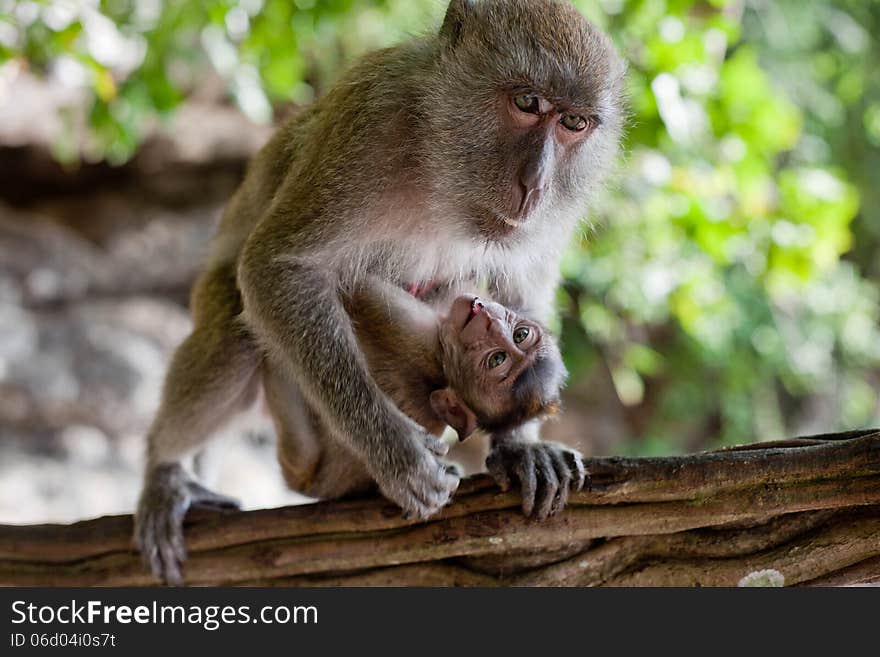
(168, 494)
(546, 472)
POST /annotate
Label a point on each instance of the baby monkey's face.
(491, 345)
(507, 369)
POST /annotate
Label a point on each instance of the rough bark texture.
(807, 508)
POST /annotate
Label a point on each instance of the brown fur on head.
(481, 154)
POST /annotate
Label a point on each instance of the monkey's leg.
(296, 428)
(212, 377)
(312, 461)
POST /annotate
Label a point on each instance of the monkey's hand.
(414, 477)
(546, 472)
(168, 494)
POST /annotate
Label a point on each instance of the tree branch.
(809, 508)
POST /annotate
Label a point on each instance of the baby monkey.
(477, 366)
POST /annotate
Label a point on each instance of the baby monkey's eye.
(521, 334)
(496, 359)
(527, 103)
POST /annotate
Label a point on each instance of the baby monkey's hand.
(546, 472)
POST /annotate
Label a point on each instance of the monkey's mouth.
(506, 220)
(513, 223)
(476, 309)
(497, 226)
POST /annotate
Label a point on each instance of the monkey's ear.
(453, 411)
(453, 24)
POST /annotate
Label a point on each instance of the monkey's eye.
(528, 103)
(574, 122)
(496, 359)
(521, 334)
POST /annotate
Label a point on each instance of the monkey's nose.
(529, 196)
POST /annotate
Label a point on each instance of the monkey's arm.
(545, 470)
(211, 378)
(292, 303)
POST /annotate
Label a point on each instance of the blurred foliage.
(717, 291)
(730, 283)
(140, 58)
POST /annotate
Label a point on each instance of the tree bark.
(807, 508)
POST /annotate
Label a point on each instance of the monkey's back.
(308, 159)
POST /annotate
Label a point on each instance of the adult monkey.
(464, 158)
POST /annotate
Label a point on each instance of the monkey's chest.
(426, 267)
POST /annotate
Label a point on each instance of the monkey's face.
(505, 368)
(527, 113)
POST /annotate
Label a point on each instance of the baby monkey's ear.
(450, 408)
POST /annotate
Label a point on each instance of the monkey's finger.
(564, 476)
(158, 552)
(455, 470)
(415, 502)
(137, 539)
(205, 497)
(498, 470)
(440, 481)
(176, 542)
(441, 491)
(402, 494)
(548, 484)
(576, 466)
(170, 542)
(173, 573)
(524, 468)
(436, 446)
(418, 511)
(139, 533)
(451, 481)
(150, 553)
(147, 544)
(409, 512)
(157, 566)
